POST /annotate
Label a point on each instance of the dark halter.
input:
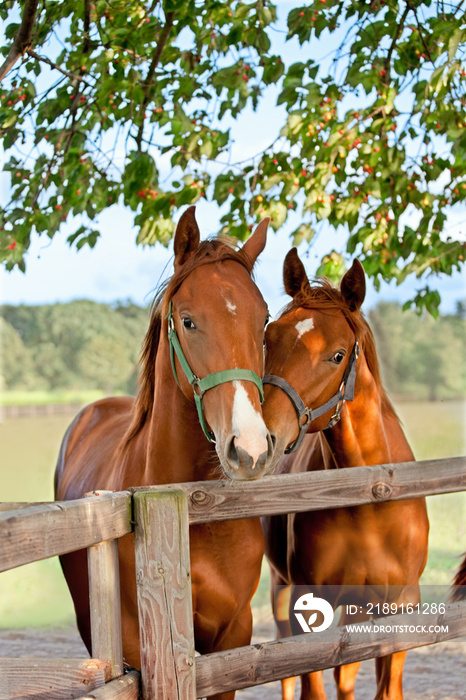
(344, 393)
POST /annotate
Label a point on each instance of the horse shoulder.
(85, 461)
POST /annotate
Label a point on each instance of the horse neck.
(369, 431)
(176, 448)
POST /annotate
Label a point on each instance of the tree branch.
(421, 34)
(398, 31)
(87, 26)
(22, 40)
(150, 73)
(44, 59)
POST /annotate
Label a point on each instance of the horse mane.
(322, 295)
(212, 250)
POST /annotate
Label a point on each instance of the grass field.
(23, 398)
(37, 595)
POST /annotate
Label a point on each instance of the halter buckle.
(307, 415)
(196, 385)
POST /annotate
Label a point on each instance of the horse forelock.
(210, 251)
(321, 295)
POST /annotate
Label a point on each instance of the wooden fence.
(9, 411)
(169, 669)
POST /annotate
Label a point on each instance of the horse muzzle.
(246, 460)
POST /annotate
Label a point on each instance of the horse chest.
(353, 544)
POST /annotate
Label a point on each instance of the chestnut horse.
(321, 354)
(207, 322)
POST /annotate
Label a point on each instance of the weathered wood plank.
(210, 501)
(164, 595)
(125, 687)
(50, 679)
(18, 505)
(38, 532)
(261, 663)
(104, 596)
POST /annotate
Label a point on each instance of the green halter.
(200, 386)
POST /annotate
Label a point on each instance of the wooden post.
(163, 578)
(104, 598)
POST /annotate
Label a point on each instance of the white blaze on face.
(304, 326)
(248, 426)
(229, 304)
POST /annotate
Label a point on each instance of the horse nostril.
(273, 440)
(232, 452)
(238, 457)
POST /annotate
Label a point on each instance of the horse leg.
(74, 567)
(389, 670)
(312, 686)
(237, 634)
(281, 611)
(288, 686)
(345, 678)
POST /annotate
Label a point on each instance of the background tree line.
(78, 345)
(85, 345)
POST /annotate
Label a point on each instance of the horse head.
(312, 351)
(215, 324)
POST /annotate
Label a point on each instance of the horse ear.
(294, 274)
(187, 236)
(256, 242)
(353, 286)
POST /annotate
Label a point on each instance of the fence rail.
(30, 532)
(262, 663)
(40, 531)
(211, 501)
(9, 411)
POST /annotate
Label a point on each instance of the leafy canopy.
(101, 99)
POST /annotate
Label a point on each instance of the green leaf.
(302, 233)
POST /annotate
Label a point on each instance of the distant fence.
(170, 671)
(44, 409)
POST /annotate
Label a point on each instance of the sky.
(117, 269)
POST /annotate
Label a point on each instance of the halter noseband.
(344, 393)
(200, 386)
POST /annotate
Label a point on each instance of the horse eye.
(187, 323)
(338, 357)
(267, 320)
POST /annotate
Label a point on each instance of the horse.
(197, 416)
(321, 353)
(458, 589)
